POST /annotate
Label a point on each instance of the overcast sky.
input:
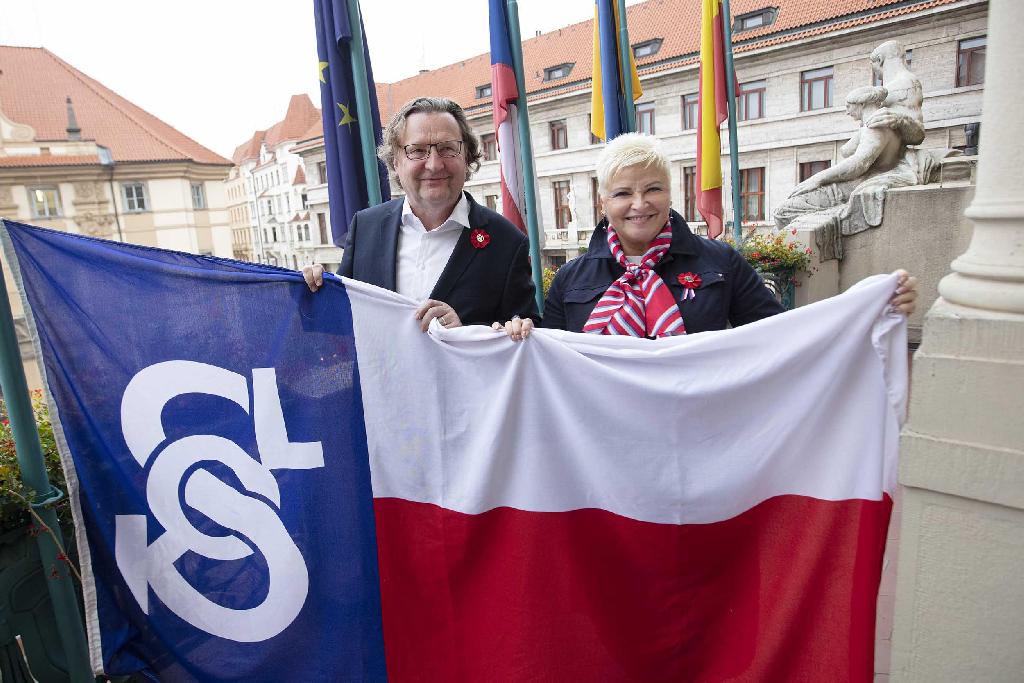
(218, 70)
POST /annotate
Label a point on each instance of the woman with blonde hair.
(645, 273)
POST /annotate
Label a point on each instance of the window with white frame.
(134, 198)
(553, 73)
(757, 19)
(45, 202)
(647, 48)
(198, 196)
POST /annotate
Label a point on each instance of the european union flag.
(608, 117)
(346, 183)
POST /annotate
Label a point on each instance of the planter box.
(781, 284)
(25, 610)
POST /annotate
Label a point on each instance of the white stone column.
(960, 584)
(990, 274)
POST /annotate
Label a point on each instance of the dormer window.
(647, 48)
(553, 73)
(759, 19)
(483, 91)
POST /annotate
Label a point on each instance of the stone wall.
(923, 230)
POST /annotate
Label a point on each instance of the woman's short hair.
(625, 151)
(392, 134)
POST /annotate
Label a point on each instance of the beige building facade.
(784, 138)
(77, 157)
(795, 62)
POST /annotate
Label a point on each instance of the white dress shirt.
(422, 253)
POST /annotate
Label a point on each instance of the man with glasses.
(466, 264)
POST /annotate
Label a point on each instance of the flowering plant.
(14, 497)
(773, 252)
(547, 277)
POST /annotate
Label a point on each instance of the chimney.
(74, 132)
(536, 34)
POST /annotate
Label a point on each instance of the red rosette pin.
(690, 282)
(479, 238)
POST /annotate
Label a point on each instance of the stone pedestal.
(959, 591)
(960, 596)
(922, 231)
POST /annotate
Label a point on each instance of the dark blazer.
(482, 285)
(731, 291)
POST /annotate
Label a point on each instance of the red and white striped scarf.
(639, 303)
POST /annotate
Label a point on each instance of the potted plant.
(778, 260)
(24, 594)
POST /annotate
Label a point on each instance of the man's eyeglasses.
(447, 150)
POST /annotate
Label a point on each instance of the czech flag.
(505, 97)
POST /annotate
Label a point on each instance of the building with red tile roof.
(675, 24)
(795, 62)
(76, 156)
(784, 50)
(104, 117)
(266, 190)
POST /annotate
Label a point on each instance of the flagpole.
(526, 149)
(33, 474)
(364, 113)
(734, 159)
(625, 72)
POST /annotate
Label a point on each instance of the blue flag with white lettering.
(213, 418)
(346, 183)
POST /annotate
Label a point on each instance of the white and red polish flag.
(504, 95)
(307, 487)
(580, 507)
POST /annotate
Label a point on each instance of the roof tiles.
(37, 160)
(130, 132)
(676, 22)
(300, 118)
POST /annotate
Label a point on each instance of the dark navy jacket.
(731, 291)
(482, 285)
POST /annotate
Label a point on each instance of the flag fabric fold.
(270, 483)
(346, 182)
(712, 110)
(608, 117)
(505, 112)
